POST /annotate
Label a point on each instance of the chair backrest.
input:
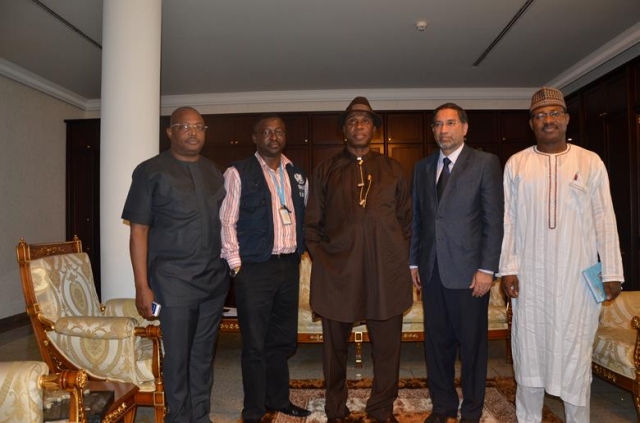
(497, 297)
(58, 278)
(57, 282)
(63, 286)
(619, 312)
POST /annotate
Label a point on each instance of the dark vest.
(255, 221)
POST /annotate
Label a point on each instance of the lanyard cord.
(279, 184)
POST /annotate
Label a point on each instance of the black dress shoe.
(436, 418)
(292, 410)
(251, 420)
(469, 420)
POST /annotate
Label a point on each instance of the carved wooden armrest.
(96, 327)
(72, 381)
(154, 334)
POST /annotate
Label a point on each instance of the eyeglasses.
(553, 115)
(449, 124)
(184, 127)
(266, 133)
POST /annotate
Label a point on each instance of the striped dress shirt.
(284, 237)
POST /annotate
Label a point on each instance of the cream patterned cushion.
(497, 308)
(614, 344)
(306, 321)
(21, 398)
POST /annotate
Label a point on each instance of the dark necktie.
(444, 177)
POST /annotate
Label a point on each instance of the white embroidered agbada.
(558, 218)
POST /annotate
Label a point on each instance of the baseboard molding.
(13, 322)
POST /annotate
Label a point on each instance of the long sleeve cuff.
(234, 262)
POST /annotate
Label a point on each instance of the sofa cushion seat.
(613, 349)
(413, 320)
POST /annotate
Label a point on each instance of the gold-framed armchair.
(74, 331)
(22, 387)
(616, 347)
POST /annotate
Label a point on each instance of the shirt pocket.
(578, 196)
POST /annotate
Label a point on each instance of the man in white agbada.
(558, 220)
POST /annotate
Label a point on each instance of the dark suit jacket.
(466, 228)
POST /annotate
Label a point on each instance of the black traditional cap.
(547, 96)
(359, 104)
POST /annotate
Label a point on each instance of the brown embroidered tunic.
(358, 225)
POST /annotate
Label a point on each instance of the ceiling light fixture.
(421, 25)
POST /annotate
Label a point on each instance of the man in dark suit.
(455, 249)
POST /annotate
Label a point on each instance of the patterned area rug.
(412, 406)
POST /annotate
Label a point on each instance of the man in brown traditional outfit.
(358, 225)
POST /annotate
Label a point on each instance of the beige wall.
(32, 186)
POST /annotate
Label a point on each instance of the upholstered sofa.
(22, 388)
(310, 328)
(616, 348)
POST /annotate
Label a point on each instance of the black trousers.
(189, 336)
(455, 319)
(386, 338)
(267, 302)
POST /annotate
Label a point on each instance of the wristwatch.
(234, 272)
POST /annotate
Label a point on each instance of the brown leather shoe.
(436, 418)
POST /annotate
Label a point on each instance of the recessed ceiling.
(222, 46)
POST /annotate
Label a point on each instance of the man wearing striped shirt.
(262, 240)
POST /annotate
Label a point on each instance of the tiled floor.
(608, 403)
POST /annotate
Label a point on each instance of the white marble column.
(130, 108)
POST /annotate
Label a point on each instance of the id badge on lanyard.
(285, 216)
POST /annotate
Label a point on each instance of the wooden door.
(83, 188)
